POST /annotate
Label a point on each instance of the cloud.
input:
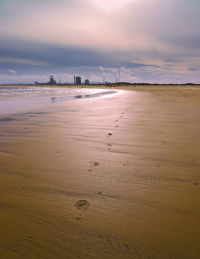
(151, 39)
(79, 24)
(21, 61)
(12, 71)
(29, 55)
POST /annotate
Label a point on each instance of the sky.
(154, 41)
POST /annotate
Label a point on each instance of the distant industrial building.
(87, 82)
(52, 81)
(77, 80)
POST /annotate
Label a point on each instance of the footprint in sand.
(82, 206)
(96, 163)
(109, 146)
(92, 166)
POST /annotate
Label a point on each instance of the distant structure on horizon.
(77, 80)
(52, 81)
(87, 82)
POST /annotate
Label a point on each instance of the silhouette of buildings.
(87, 82)
(77, 80)
(52, 81)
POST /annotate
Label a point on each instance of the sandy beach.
(117, 176)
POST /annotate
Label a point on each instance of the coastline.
(109, 177)
(119, 86)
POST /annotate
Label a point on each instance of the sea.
(18, 99)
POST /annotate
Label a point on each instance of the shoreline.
(113, 86)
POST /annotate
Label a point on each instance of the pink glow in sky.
(149, 40)
(111, 4)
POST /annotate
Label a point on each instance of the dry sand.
(109, 177)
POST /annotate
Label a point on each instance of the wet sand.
(108, 177)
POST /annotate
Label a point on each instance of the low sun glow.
(111, 4)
